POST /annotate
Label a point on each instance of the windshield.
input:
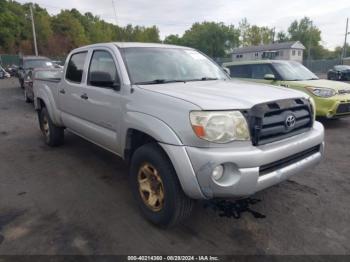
(37, 64)
(160, 65)
(294, 71)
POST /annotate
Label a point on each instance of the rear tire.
(53, 135)
(172, 205)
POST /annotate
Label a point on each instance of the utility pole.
(115, 16)
(33, 27)
(273, 32)
(346, 37)
(309, 49)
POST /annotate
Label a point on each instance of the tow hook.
(229, 208)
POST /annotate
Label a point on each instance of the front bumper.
(242, 176)
(333, 107)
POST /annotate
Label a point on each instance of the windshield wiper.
(158, 81)
(203, 79)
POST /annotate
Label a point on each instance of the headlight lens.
(220, 126)
(322, 92)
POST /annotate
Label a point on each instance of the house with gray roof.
(282, 51)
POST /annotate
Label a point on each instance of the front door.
(103, 99)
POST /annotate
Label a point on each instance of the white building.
(282, 51)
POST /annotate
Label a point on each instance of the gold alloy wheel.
(151, 187)
(46, 128)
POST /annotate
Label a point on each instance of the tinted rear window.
(241, 71)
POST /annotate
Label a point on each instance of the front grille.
(269, 168)
(344, 91)
(343, 108)
(268, 121)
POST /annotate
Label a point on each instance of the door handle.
(62, 91)
(84, 96)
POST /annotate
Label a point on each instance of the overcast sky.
(174, 17)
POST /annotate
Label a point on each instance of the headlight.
(219, 126)
(322, 92)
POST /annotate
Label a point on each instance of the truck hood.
(322, 83)
(224, 95)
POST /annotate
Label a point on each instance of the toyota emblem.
(290, 121)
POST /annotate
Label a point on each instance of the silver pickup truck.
(187, 130)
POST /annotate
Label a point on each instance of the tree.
(57, 35)
(307, 33)
(253, 34)
(213, 39)
(67, 26)
(173, 40)
(282, 37)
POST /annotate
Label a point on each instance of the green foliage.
(57, 35)
(282, 37)
(308, 34)
(213, 39)
(253, 34)
(173, 40)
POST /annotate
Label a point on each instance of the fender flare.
(151, 126)
(45, 94)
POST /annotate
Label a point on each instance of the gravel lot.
(76, 200)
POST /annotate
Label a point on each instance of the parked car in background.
(28, 63)
(339, 72)
(58, 64)
(4, 73)
(38, 74)
(332, 98)
(186, 129)
(12, 70)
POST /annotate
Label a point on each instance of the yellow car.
(332, 98)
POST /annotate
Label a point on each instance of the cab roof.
(132, 44)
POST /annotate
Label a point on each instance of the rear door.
(71, 102)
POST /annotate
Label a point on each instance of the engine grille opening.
(343, 108)
(269, 121)
(269, 168)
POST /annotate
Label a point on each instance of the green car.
(332, 98)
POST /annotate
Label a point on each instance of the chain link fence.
(321, 66)
(9, 60)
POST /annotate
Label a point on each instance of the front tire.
(156, 187)
(53, 135)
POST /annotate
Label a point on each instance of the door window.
(241, 71)
(76, 67)
(103, 71)
(259, 71)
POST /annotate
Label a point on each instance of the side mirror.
(227, 71)
(269, 77)
(103, 79)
